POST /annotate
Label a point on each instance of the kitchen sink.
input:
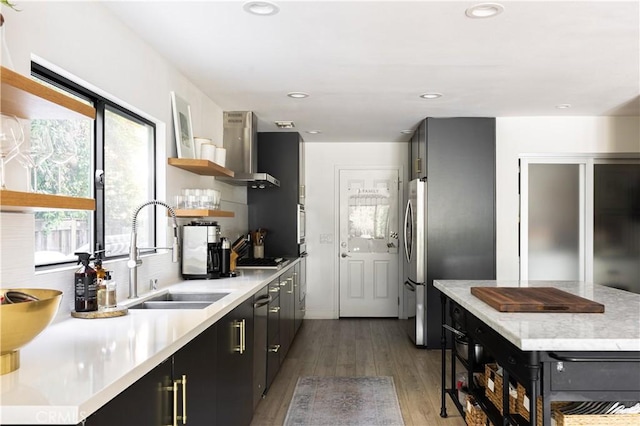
(180, 301)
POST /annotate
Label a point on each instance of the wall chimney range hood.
(240, 139)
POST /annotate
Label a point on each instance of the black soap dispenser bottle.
(86, 285)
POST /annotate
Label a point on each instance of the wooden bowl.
(21, 322)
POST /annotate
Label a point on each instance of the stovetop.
(263, 263)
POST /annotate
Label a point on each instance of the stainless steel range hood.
(240, 138)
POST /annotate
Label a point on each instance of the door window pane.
(616, 223)
(369, 220)
(554, 222)
(128, 151)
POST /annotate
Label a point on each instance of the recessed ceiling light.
(298, 95)
(563, 106)
(431, 95)
(261, 8)
(285, 124)
(313, 132)
(484, 10)
(406, 132)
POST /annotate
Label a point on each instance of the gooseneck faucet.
(134, 255)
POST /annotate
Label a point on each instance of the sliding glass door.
(580, 219)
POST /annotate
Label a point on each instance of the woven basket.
(480, 379)
(524, 412)
(493, 388)
(564, 420)
(473, 414)
(598, 420)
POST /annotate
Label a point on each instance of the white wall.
(559, 135)
(322, 160)
(85, 40)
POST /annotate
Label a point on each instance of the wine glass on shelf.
(11, 137)
(36, 152)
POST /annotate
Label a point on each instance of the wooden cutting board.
(535, 299)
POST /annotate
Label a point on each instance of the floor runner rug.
(333, 401)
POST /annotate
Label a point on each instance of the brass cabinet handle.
(175, 403)
(291, 291)
(418, 165)
(274, 348)
(243, 337)
(184, 399)
(274, 290)
(274, 310)
(174, 389)
(238, 324)
(262, 301)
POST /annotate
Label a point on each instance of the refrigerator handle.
(406, 240)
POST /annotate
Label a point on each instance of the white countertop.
(617, 329)
(75, 366)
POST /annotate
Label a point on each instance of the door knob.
(344, 255)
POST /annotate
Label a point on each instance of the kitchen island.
(560, 356)
(76, 366)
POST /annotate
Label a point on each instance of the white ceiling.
(364, 63)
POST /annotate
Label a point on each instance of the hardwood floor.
(361, 347)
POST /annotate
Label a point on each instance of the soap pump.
(85, 284)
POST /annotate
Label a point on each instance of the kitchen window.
(110, 159)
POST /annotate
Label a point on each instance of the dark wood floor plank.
(365, 364)
(346, 362)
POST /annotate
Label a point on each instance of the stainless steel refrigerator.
(415, 251)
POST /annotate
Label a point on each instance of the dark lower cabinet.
(147, 401)
(261, 302)
(186, 380)
(194, 375)
(273, 332)
(234, 399)
(299, 287)
(287, 312)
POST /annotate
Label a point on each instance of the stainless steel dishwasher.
(260, 311)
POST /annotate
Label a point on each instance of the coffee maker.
(201, 251)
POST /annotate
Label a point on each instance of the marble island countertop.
(617, 329)
(75, 366)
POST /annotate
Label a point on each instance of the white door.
(369, 243)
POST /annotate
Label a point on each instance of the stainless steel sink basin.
(189, 297)
(180, 301)
(167, 304)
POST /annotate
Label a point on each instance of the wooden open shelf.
(200, 167)
(31, 201)
(203, 213)
(26, 98)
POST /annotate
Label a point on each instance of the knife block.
(233, 258)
